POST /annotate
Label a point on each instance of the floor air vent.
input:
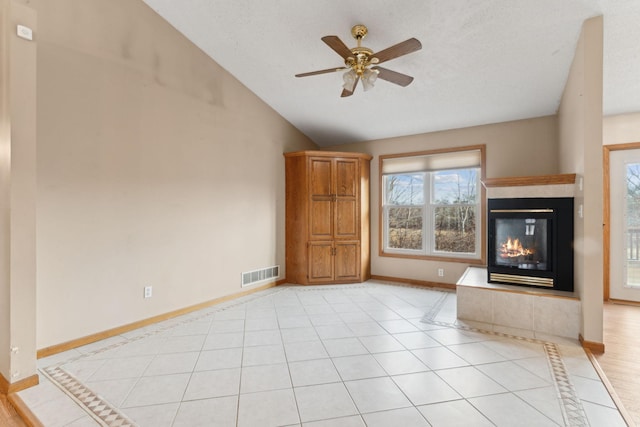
(251, 277)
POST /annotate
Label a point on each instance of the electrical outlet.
(148, 291)
(441, 272)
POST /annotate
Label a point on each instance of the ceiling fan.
(361, 62)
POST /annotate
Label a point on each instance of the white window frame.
(428, 206)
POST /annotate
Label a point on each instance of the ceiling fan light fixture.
(369, 78)
(349, 79)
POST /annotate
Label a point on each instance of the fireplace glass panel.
(522, 243)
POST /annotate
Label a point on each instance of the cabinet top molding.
(329, 154)
(567, 178)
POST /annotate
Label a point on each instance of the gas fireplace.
(530, 242)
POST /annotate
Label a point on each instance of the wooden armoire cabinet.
(327, 217)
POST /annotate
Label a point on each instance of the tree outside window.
(455, 205)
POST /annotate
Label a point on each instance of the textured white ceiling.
(482, 62)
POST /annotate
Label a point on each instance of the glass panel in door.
(632, 226)
(624, 249)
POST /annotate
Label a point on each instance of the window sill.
(470, 261)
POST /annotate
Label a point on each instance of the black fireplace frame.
(558, 211)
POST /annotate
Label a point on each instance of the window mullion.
(427, 226)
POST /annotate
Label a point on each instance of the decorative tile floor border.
(107, 415)
(433, 312)
(572, 409)
(99, 409)
(570, 404)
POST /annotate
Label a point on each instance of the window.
(431, 204)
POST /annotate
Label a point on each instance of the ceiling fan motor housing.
(362, 58)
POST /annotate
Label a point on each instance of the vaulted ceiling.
(481, 62)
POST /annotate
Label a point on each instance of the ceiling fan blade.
(393, 76)
(346, 92)
(337, 45)
(397, 50)
(328, 70)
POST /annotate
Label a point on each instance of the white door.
(624, 176)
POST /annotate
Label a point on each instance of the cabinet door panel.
(320, 262)
(320, 199)
(321, 227)
(347, 261)
(346, 207)
(346, 178)
(320, 177)
(346, 223)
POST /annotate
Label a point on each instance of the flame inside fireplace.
(512, 248)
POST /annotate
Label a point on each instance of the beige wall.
(155, 167)
(17, 194)
(519, 148)
(621, 129)
(580, 138)
(5, 194)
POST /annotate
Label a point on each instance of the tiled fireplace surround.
(520, 310)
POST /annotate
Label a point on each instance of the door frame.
(606, 214)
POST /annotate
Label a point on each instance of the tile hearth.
(373, 354)
(521, 310)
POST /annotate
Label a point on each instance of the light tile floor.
(372, 354)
